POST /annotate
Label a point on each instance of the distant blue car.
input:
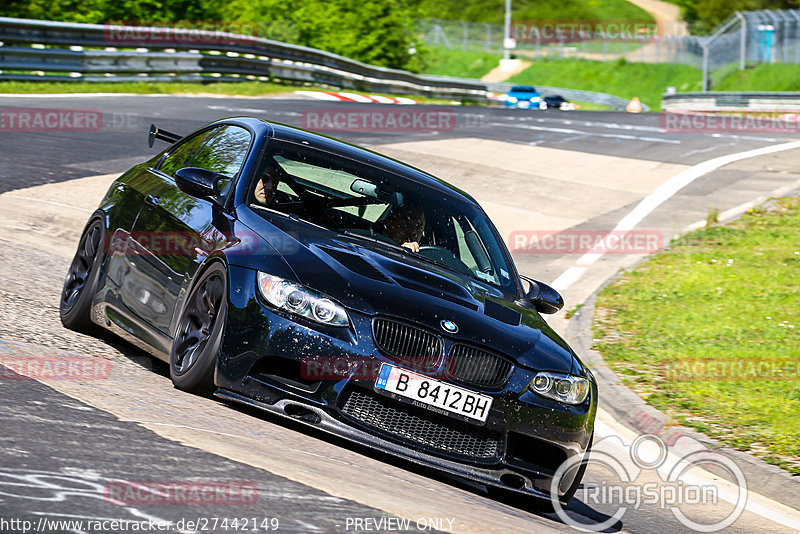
(524, 97)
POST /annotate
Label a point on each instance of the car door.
(175, 232)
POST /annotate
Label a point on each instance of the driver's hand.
(413, 246)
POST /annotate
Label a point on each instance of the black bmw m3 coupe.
(320, 281)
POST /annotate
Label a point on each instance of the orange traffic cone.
(634, 106)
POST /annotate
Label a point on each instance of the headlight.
(535, 98)
(298, 300)
(512, 99)
(565, 388)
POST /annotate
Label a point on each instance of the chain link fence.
(746, 38)
(476, 36)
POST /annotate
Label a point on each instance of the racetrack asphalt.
(98, 419)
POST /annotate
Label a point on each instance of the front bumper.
(519, 448)
(526, 104)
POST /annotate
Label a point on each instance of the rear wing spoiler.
(163, 135)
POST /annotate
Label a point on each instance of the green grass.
(722, 295)
(772, 77)
(620, 78)
(460, 63)
(221, 88)
(492, 11)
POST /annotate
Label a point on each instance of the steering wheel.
(445, 257)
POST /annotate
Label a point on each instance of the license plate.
(435, 395)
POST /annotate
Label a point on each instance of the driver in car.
(405, 225)
(266, 188)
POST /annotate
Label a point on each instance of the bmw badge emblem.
(449, 326)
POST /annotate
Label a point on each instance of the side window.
(225, 152)
(180, 156)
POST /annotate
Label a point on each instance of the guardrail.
(62, 51)
(131, 52)
(732, 101)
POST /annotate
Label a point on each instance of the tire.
(80, 285)
(193, 357)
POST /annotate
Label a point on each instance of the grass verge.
(220, 88)
(709, 332)
(460, 63)
(773, 77)
(491, 11)
(620, 78)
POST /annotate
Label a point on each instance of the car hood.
(375, 280)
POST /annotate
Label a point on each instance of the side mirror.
(198, 182)
(543, 297)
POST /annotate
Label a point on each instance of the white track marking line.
(638, 128)
(568, 277)
(589, 134)
(704, 150)
(663, 193)
(608, 125)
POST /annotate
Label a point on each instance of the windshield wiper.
(412, 254)
(374, 240)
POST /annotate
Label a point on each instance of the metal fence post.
(742, 40)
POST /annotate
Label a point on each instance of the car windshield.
(523, 89)
(365, 202)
